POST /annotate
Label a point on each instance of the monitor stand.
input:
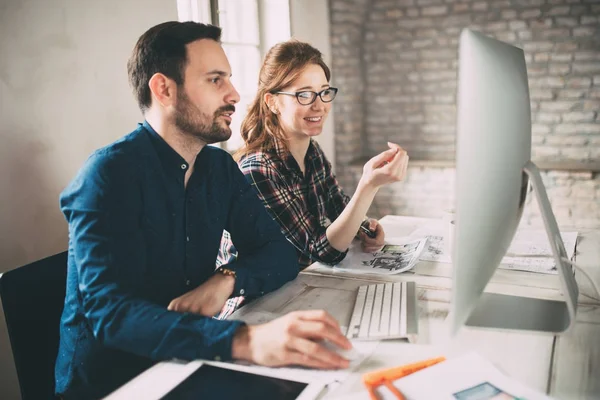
(498, 311)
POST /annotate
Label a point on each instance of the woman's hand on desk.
(292, 340)
(207, 299)
(370, 245)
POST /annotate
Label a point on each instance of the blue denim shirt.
(138, 239)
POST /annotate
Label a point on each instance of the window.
(250, 28)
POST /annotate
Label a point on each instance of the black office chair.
(33, 297)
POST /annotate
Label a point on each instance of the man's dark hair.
(162, 49)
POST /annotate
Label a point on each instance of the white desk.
(567, 367)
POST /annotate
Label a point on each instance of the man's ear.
(163, 89)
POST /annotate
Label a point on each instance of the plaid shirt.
(303, 205)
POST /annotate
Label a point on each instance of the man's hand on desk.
(292, 340)
(370, 245)
(207, 299)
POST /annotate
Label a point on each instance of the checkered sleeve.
(299, 226)
(337, 200)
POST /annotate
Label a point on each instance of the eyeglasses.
(307, 97)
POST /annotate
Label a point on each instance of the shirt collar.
(289, 161)
(172, 162)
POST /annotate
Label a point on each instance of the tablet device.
(230, 381)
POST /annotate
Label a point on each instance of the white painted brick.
(532, 13)
(586, 67)
(510, 15)
(541, 94)
(566, 46)
(540, 129)
(589, 19)
(584, 31)
(538, 46)
(517, 25)
(557, 33)
(480, 6)
(561, 57)
(575, 129)
(552, 118)
(525, 35)
(587, 56)
(567, 21)
(545, 152)
(567, 140)
(575, 153)
(578, 116)
(591, 105)
(557, 105)
(434, 10)
(578, 82)
(571, 94)
(546, 81)
(560, 10)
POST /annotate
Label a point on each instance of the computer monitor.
(494, 168)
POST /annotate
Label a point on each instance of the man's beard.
(190, 120)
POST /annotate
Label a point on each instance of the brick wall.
(395, 62)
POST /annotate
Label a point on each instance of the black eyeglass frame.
(314, 95)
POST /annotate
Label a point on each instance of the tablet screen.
(209, 382)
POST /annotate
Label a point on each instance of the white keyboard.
(385, 311)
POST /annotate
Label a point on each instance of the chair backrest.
(33, 298)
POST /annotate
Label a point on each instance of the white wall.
(63, 93)
(310, 23)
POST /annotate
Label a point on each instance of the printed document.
(398, 255)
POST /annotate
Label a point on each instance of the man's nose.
(233, 96)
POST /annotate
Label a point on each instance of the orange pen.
(385, 376)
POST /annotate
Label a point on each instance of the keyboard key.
(395, 313)
(366, 319)
(376, 317)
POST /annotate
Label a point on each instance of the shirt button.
(217, 358)
(183, 166)
(242, 291)
(187, 238)
(188, 282)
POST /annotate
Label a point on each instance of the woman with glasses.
(289, 170)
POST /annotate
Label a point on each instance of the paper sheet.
(396, 256)
(529, 250)
(467, 377)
